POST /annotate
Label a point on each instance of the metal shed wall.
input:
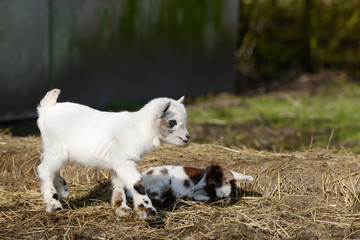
(99, 52)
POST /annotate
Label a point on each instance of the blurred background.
(99, 52)
(269, 74)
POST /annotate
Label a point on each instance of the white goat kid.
(115, 141)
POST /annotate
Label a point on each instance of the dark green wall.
(99, 52)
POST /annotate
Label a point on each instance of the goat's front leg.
(134, 182)
(118, 199)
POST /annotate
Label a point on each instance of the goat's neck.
(147, 132)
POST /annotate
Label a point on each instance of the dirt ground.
(298, 195)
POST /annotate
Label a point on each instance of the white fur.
(160, 180)
(111, 140)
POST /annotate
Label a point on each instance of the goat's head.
(171, 122)
(220, 182)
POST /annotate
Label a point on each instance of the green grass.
(335, 107)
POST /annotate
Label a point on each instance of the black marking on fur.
(187, 183)
(233, 188)
(153, 195)
(140, 187)
(172, 123)
(167, 199)
(214, 175)
(165, 128)
(150, 212)
(63, 182)
(55, 196)
(170, 131)
(153, 213)
(166, 108)
(146, 201)
(213, 179)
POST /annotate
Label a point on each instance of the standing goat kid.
(115, 141)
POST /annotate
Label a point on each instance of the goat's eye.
(172, 123)
(226, 183)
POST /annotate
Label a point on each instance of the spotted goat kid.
(200, 184)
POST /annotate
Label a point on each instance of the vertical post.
(50, 45)
(310, 35)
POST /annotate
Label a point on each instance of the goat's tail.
(48, 101)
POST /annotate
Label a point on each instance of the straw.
(312, 194)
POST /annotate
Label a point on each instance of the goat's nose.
(187, 138)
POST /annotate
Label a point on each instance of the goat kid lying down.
(200, 184)
(115, 141)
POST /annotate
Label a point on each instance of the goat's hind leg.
(61, 186)
(47, 170)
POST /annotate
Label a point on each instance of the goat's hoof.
(146, 212)
(54, 207)
(64, 194)
(123, 211)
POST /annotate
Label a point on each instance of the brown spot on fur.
(117, 203)
(227, 175)
(149, 212)
(186, 183)
(124, 210)
(195, 174)
(165, 128)
(153, 194)
(164, 124)
(164, 171)
(116, 199)
(150, 172)
(141, 207)
(157, 202)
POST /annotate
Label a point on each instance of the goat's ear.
(242, 177)
(200, 185)
(163, 110)
(181, 100)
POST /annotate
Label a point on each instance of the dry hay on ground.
(307, 195)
